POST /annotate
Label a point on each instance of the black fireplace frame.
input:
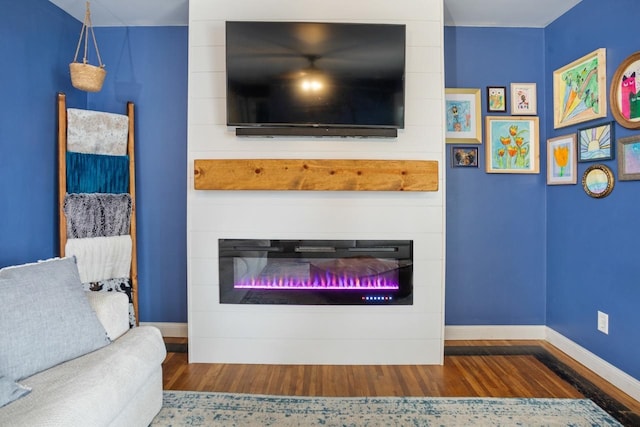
(401, 251)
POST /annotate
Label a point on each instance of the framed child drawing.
(623, 96)
(579, 90)
(462, 108)
(524, 100)
(562, 160)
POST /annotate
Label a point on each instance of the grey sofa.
(118, 384)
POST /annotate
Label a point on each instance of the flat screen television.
(312, 74)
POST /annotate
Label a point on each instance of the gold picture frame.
(579, 90)
(463, 116)
(624, 98)
(598, 181)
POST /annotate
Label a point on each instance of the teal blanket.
(97, 173)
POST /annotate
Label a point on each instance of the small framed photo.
(496, 99)
(629, 158)
(562, 160)
(463, 124)
(595, 143)
(512, 144)
(524, 100)
(464, 157)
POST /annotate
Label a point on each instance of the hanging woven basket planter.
(85, 76)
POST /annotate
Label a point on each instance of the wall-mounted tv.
(315, 75)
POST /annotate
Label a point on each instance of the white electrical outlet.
(603, 322)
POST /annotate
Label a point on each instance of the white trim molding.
(174, 330)
(495, 332)
(604, 369)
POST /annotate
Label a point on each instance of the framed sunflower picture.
(512, 144)
(561, 160)
(596, 143)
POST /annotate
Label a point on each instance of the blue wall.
(147, 65)
(495, 222)
(37, 42)
(582, 250)
(593, 243)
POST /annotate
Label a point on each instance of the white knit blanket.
(96, 132)
(101, 258)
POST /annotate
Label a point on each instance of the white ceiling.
(504, 13)
(461, 13)
(129, 13)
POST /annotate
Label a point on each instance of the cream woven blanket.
(101, 258)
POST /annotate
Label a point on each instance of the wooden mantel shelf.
(318, 175)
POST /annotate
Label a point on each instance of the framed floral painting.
(512, 144)
(562, 160)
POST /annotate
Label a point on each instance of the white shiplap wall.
(316, 334)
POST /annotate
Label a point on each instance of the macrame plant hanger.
(85, 76)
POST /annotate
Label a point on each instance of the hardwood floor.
(471, 369)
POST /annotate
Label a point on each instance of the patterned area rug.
(182, 408)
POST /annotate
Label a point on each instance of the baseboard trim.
(169, 329)
(604, 369)
(499, 332)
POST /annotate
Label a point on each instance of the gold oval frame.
(598, 181)
(615, 92)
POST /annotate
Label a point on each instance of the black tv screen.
(315, 74)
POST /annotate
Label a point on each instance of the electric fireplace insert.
(316, 272)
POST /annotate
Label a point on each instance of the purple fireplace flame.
(328, 281)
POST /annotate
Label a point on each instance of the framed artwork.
(595, 143)
(464, 157)
(496, 99)
(579, 90)
(623, 94)
(562, 160)
(524, 99)
(598, 181)
(463, 116)
(629, 158)
(512, 144)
